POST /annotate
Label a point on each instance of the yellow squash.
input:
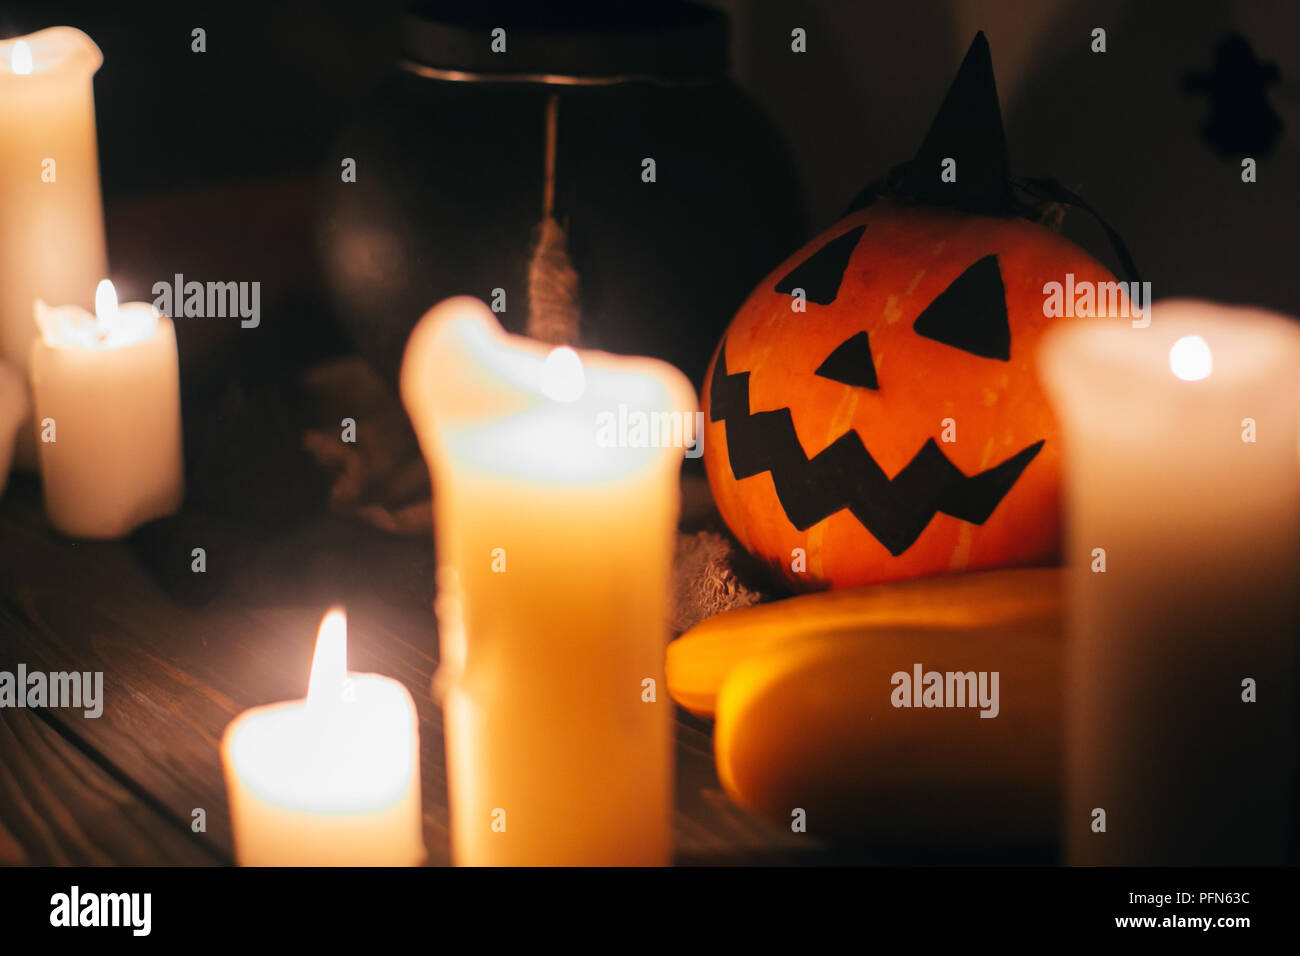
(700, 659)
(810, 724)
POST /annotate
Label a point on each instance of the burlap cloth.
(382, 479)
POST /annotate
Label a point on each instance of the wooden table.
(125, 788)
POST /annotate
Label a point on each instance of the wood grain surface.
(123, 788)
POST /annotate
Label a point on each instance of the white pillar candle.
(332, 780)
(51, 215)
(106, 389)
(554, 525)
(1182, 476)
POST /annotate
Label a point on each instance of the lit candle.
(107, 393)
(555, 514)
(1183, 536)
(52, 230)
(332, 780)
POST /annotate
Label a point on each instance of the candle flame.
(21, 58)
(105, 301)
(329, 665)
(1190, 358)
(562, 375)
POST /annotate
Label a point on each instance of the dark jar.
(450, 171)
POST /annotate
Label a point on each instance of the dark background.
(210, 162)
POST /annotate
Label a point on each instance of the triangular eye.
(851, 363)
(971, 314)
(819, 275)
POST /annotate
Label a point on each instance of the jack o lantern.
(874, 402)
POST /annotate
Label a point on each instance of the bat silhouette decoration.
(873, 411)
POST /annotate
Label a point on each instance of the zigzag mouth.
(844, 475)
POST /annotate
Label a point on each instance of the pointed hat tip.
(967, 128)
(979, 57)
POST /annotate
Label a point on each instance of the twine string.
(553, 312)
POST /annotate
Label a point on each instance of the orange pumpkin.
(873, 412)
(921, 327)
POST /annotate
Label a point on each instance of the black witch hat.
(968, 131)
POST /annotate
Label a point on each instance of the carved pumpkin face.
(895, 427)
